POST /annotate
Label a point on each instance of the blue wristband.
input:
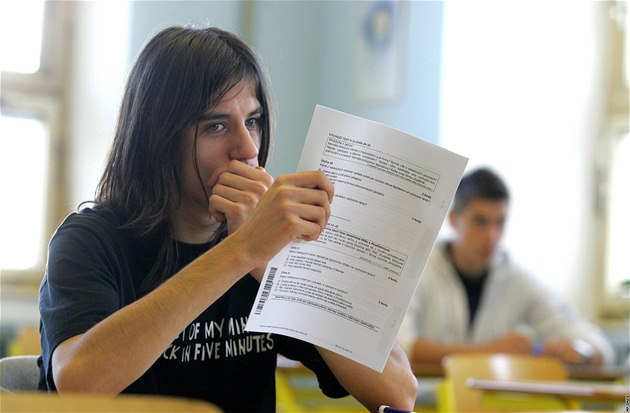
(537, 349)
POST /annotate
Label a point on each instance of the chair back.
(458, 368)
(43, 402)
(19, 373)
(26, 341)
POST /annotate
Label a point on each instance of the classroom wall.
(107, 35)
(311, 51)
(416, 110)
(99, 65)
(148, 17)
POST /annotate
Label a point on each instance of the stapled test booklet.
(348, 291)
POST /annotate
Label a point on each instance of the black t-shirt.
(474, 290)
(93, 270)
(473, 285)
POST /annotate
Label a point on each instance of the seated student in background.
(473, 298)
(148, 290)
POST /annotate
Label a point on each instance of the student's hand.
(572, 352)
(237, 192)
(296, 206)
(512, 342)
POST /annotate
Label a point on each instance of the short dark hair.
(481, 183)
(181, 73)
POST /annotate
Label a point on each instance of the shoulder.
(439, 253)
(504, 265)
(438, 262)
(507, 271)
(96, 217)
(90, 229)
(438, 274)
(89, 220)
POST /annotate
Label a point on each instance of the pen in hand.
(387, 409)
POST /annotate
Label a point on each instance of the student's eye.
(253, 123)
(214, 127)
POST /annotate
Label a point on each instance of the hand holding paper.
(348, 291)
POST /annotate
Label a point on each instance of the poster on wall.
(381, 50)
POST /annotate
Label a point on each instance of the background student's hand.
(295, 206)
(573, 352)
(511, 342)
(237, 192)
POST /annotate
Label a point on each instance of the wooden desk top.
(576, 372)
(604, 373)
(427, 369)
(435, 369)
(601, 392)
(419, 369)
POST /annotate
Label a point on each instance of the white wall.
(516, 104)
(107, 36)
(99, 68)
(524, 91)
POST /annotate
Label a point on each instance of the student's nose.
(245, 146)
(495, 231)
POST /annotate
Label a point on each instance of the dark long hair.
(181, 73)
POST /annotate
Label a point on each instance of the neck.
(191, 229)
(462, 265)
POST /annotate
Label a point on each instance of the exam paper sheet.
(349, 290)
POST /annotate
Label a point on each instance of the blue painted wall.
(310, 50)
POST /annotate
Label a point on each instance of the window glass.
(619, 220)
(23, 172)
(21, 20)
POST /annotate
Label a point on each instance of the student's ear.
(452, 218)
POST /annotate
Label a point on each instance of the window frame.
(613, 305)
(42, 95)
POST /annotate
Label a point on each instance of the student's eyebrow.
(217, 115)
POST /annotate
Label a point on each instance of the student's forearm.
(426, 351)
(396, 386)
(433, 351)
(118, 350)
(258, 273)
